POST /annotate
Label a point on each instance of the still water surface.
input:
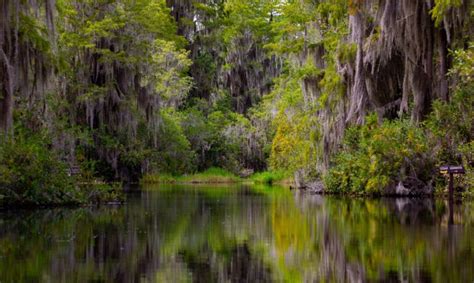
(239, 234)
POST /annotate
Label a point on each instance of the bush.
(30, 174)
(376, 158)
(450, 125)
(467, 152)
(173, 153)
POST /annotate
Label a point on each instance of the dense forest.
(359, 96)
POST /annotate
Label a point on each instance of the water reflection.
(238, 234)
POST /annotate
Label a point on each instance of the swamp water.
(239, 234)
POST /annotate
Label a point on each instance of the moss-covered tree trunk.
(25, 30)
(8, 57)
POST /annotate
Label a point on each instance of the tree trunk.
(6, 95)
(358, 98)
(444, 64)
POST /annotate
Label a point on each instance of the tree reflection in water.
(239, 234)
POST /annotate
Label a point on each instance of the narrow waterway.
(239, 234)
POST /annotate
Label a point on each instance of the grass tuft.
(269, 177)
(212, 175)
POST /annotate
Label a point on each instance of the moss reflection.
(210, 234)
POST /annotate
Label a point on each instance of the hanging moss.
(122, 88)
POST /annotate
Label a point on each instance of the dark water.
(236, 234)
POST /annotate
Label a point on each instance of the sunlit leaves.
(166, 71)
(294, 144)
(441, 7)
(249, 16)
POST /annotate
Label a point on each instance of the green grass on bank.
(212, 175)
(215, 175)
(270, 177)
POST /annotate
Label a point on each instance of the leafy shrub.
(375, 158)
(30, 174)
(295, 143)
(467, 152)
(450, 131)
(450, 125)
(173, 153)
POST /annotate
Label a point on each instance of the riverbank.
(220, 176)
(81, 194)
(210, 176)
(440, 192)
(32, 175)
(273, 178)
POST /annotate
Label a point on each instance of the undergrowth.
(269, 177)
(212, 175)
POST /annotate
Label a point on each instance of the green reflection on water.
(206, 234)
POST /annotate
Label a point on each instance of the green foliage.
(269, 177)
(141, 76)
(294, 144)
(450, 124)
(441, 7)
(173, 154)
(375, 158)
(248, 15)
(222, 138)
(467, 152)
(167, 71)
(302, 30)
(35, 33)
(300, 24)
(122, 101)
(31, 174)
(213, 175)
